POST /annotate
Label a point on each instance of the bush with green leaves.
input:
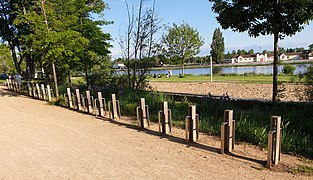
(288, 69)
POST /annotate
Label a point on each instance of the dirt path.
(39, 141)
(234, 90)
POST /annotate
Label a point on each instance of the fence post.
(165, 119)
(38, 91)
(43, 92)
(29, 89)
(274, 141)
(228, 132)
(143, 114)
(192, 124)
(114, 104)
(69, 95)
(49, 92)
(79, 104)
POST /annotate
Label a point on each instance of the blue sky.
(198, 14)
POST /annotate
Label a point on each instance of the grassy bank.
(248, 78)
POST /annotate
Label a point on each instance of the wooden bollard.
(29, 89)
(89, 102)
(49, 92)
(101, 105)
(34, 90)
(192, 124)
(8, 84)
(43, 92)
(69, 96)
(274, 141)
(142, 110)
(165, 119)
(114, 108)
(38, 91)
(228, 132)
(78, 100)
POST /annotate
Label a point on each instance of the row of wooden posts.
(99, 107)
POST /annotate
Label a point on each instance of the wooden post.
(38, 91)
(114, 106)
(34, 90)
(192, 124)
(101, 111)
(49, 92)
(43, 92)
(274, 141)
(228, 118)
(165, 120)
(29, 89)
(70, 102)
(88, 101)
(142, 114)
(8, 84)
(79, 104)
(270, 149)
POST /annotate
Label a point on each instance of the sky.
(198, 14)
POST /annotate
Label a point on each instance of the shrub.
(288, 69)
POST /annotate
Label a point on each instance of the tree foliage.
(54, 31)
(6, 61)
(279, 18)
(217, 46)
(182, 41)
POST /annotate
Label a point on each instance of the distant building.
(258, 57)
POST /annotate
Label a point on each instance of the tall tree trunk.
(53, 66)
(275, 64)
(55, 81)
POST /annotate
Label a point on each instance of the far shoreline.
(195, 66)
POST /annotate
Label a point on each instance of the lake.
(300, 68)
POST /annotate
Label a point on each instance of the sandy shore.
(39, 141)
(234, 90)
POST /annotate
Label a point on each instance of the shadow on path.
(181, 140)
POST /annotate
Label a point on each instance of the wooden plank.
(89, 108)
(101, 111)
(269, 149)
(49, 92)
(114, 107)
(79, 102)
(43, 92)
(69, 97)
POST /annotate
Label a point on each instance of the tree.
(42, 33)
(139, 44)
(311, 47)
(217, 46)
(279, 18)
(6, 61)
(251, 51)
(182, 41)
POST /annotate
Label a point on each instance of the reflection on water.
(235, 70)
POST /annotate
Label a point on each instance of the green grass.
(2, 81)
(252, 121)
(266, 79)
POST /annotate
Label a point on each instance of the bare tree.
(139, 43)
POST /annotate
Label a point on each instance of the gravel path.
(234, 90)
(39, 141)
